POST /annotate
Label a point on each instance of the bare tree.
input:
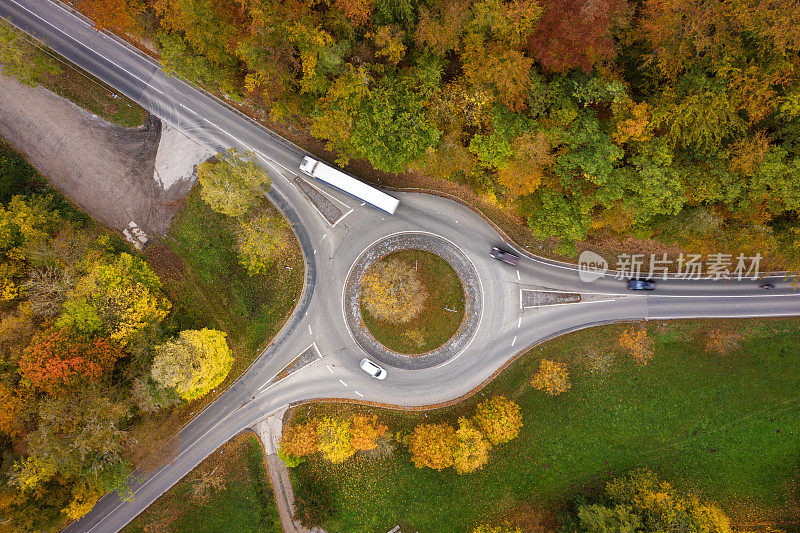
(47, 289)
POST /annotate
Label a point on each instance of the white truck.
(349, 185)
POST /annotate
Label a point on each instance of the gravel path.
(107, 170)
(473, 300)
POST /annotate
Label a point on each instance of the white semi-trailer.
(347, 184)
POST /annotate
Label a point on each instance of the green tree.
(499, 419)
(232, 184)
(193, 363)
(392, 130)
(261, 240)
(641, 502)
(179, 59)
(20, 59)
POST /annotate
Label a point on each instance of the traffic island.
(449, 315)
(412, 301)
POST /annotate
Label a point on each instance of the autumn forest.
(670, 119)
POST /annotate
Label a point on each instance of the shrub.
(638, 344)
(552, 377)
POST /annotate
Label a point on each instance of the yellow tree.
(193, 363)
(260, 241)
(391, 291)
(552, 377)
(505, 527)
(523, 173)
(366, 430)
(472, 449)
(335, 439)
(500, 419)
(432, 445)
(638, 344)
(231, 184)
(126, 294)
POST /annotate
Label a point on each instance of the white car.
(372, 369)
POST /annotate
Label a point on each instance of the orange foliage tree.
(638, 344)
(432, 445)
(552, 378)
(500, 419)
(117, 15)
(10, 407)
(366, 430)
(62, 358)
(300, 440)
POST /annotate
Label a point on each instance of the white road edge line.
(359, 393)
(341, 218)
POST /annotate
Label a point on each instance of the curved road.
(504, 330)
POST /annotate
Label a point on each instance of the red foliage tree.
(60, 358)
(575, 33)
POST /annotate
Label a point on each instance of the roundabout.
(463, 268)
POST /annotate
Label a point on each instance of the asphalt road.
(505, 329)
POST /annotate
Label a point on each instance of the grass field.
(431, 328)
(243, 503)
(724, 426)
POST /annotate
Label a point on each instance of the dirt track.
(105, 169)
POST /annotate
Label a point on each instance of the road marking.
(314, 344)
(309, 330)
(315, 252)
(359, 394)
(514, 341)
(520, 299)
(519, 322)
(323, 237)
(571, 303)
(341, 218)
(329, 368)
(343, 383)
(518, 278)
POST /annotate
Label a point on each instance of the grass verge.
(229, 491)
(201, 274)
(724, 427)
(443, 312)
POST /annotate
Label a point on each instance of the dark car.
(505, 257)
(641, 285)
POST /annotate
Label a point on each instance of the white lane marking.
(519, 322)
(341, 218)
(518, 278)
(323, 237)
(315, 252)
(329, 368)
(359, 393)
(309, 330)
(514, 341)
(343, 383)
(520, 299)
